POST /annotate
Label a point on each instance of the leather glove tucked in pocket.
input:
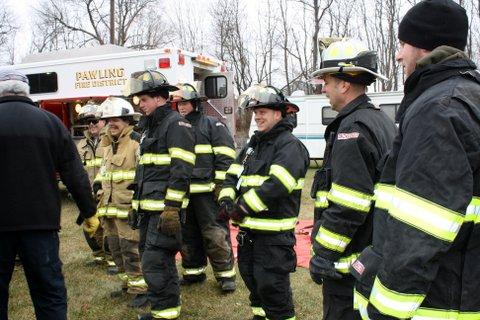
(90, 225)
(169, 222)
(321, 268)
(133, 219)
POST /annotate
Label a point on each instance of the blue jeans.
(38, 251)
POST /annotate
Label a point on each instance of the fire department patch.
(184, 124)
(347, 136)
(358, 266)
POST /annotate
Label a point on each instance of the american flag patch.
(346, 136)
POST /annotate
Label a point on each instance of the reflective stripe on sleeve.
(174, 195)
(170, 313)
(220, 175)
(473, 211)
(344, 263)
(227, 193)
(154, 205)
(118, 175)
(226, 151)
(321, 199)
(425, 215)
(202, 187)
(182, 154)
(203, 149)
(282, 174)
(300, 184)
(350, 198)
(439, 314)
(392, 303)
(268, 224)
(253, 201)
(384, 195)
(97, 162)
(360, 303)
(253, 180)
(332, 240)
(112, 212)
(235, 169)
(155, 158)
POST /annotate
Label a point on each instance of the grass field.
(89, 288)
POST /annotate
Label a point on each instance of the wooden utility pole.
(112, 21)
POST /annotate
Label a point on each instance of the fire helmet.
(114, 107)
(146, 82)
(263, 96)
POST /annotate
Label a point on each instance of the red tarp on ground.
(302, 233)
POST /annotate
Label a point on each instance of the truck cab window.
(328, 114)
(216, 87)
(43, 82)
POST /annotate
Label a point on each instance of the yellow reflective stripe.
(227, 193)
(194, 271)
(118, 175)
(268, 224)
(284, 176)
(220, 175)
(437, 314)
(226, 151)
(154, 205)
(332, 240)
(300, 184)
(473, 211)
(321, 199)
(110, 263)
(344, 263)
(393, 303)
(253, 201)
(425, 215)
(112, 212)
(360, 303)
(225, 274)
(235, 169)
(181, 154)
(203, 148)
(171, 313)
(384, 195)
(202, 187)
(123, 276)
(137, 282)
(350, 198)
(97, 162)
(258, 311)
(174, 195)
(155, 158)
(253, 181)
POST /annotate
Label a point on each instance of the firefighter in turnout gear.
(356, 141)
(90, 153)
(427, 231)
(117, 172)
(261, 194)
(161, 190)
(202, 234)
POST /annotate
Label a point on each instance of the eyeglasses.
(92, 121)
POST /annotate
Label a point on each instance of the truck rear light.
(181, 59)
(164, 63)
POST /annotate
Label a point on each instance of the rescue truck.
(63, 81)
(316, 113)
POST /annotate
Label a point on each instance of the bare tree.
(189, 26)
(7, 35)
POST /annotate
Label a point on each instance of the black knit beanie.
(432, 23)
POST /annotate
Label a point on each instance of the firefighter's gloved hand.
(95, 188)
(226, 206)
(90, 225)
(169, 222)
(239, 212)
(133, 219)
(321, 268)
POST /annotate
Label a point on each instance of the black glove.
(226, 206)
(95, 188)
(133, 219)
(321, 268)
(239, 212)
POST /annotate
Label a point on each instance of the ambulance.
(62, 82)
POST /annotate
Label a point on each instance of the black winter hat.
(432, 23)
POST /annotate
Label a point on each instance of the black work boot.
(145, 316)
(112, 270)
(258, 318)
(139, 301)
(186, 281)
(118, 293)
(228, 285)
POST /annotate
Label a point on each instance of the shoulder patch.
(184, 124)
(219, 124)
(347, 136)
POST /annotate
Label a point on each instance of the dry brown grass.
(89, 288)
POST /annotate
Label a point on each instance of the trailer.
(63, 81)
(316, 114)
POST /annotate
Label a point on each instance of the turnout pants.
(123, 243)
(96, 244)
(38, 251)
(159, 269)
(203, 236)
(265, 263)
(338, 300)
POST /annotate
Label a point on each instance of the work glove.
(239, 212)
(132, 219)
(321, 268)
(226, 206)
(97, 186)
(169, 222)
(90, 225)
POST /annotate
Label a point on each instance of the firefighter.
(356, 141)
(428, 236)
(161, 189)
(117, 172)
(91, 155)
(261, 194)
(202, 234)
